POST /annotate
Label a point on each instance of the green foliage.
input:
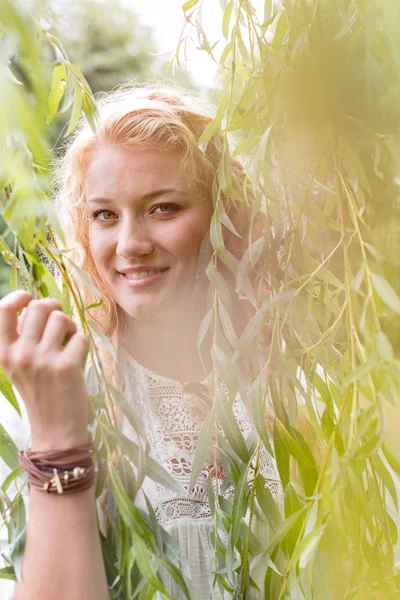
(308, 99)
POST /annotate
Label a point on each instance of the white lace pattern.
(172, 430)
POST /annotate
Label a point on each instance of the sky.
(166, 19)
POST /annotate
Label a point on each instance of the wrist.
(42, 443)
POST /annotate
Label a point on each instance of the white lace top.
(172, 431)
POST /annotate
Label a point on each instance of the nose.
(134, 239)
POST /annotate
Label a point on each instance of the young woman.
(136, 201)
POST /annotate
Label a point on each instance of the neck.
(166, 346)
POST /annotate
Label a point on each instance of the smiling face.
(144, 217)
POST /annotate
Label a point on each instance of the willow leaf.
(216, 237)
(202, 447)
(225, 53)
(153, 470)
(227, 19)
(267, 503)
(175, 574)
(227, 325)
(386, 292)
(239, 505)
(298, 448)
(76, 109)
(189, 4)
(105, 339)
(8, 392)
(145, 565)
(355, 162)
(124, 503)
(8, 450)
(230, 426)
(58, 85)
(11, 477)
(84, 277)
(8, 573)
(306, 548)
(387, 479)
(393, 462)
(204, 327)
(257, 401)
(282, 531)
(360, 372)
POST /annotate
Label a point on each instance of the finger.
(20, 320)
(58, 327)
(77, 349)
(10, 305)
(35, 319)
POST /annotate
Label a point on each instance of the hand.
(48, 375)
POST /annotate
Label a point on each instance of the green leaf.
(58, 86)
(90, 110)
(202, 447)
(307, 547)
(230, 426)
(227, 19)
(8, 450)
(226, 52)
(212, 129)
(281, 456)
(282, 531)
(355, 162)
(227, 325)
(76, 109)
(105, 339)
(12, 477)
(386, 292)
(17, 533)
(128, 510)
(153, 470)
(204, 327)
(145, 565)
(246, 145)
(360, 372)
(247, 263)
(189, 4)
(219, 282)
(8, 573)
(124, 503)
(298, 448)
(216, 237)
(175, 573)
(84, 277)
(267, 503)
(8, 392)
(239, 505)
(257, 401)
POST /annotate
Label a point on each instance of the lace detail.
(172, 430)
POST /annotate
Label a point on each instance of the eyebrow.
(149, 196)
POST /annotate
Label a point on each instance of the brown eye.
(166, 208)
(96, 214)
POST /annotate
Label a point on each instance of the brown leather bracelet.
(59, 471)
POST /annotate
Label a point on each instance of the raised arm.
(62, 556)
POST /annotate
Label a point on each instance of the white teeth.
(140, 275)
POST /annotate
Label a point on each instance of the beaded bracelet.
(59, 471)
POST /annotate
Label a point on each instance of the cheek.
(187, 244)
(98, 247)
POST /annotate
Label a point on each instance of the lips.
(141, 269)
(138, 282)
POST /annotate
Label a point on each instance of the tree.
(308, 100)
